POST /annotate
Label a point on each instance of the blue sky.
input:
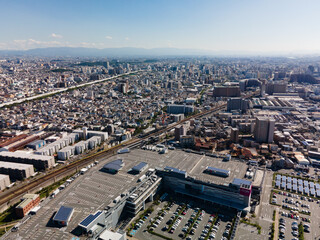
(219, 25)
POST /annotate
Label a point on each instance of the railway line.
(11, 194)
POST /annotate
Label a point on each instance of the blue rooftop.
(139, 166)
(63, 214)
(90, 219)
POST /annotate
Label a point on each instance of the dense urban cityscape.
(159, 120)
(232, 133)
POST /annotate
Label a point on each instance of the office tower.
(234, 136)
(264, 129)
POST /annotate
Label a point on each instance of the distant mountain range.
(129, 52)
(106, 52)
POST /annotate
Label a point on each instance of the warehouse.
(63, 216)
(140, 167)
(4, 181)
(39, 162)
(29, 201)
(35, 145)
(114, 166)
(16, 171)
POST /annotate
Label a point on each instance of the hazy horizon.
(257, 27)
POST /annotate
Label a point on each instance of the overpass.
(63, 90)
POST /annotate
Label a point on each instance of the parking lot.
(296, 209)
(181, 220)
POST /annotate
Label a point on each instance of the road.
(63, 90)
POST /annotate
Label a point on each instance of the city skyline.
(249, 26)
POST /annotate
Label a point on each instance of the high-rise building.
(264, 129)
(237, 104)
(234, 136)
(179, 131)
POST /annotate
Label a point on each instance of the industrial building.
(140, 167)
(16, 171)
(4, 181)
(114, 166)
(38, 161)
(63, 216)
(35, 145)
(29, 201)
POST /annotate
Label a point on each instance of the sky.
(217, 25)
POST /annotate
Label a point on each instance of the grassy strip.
(210, 229)
(194, 220)
(252, 224)
(9, 215)
(272, 231)
(45, 192)
(176, 217)
(274, 215)
(301, 231)
(232, 226)
(4, 230)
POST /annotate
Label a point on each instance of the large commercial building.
(264, 129)
(276, 87)
(16, 171)
(226, 91)
(38, 161)
(29, 201)
(217, 187)
(4, 181)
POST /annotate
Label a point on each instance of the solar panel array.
(90, 219)
(298, 185)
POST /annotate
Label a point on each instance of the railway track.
(9, 195)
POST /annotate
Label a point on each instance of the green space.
(9, 215)
(301, 231)
(4, 230)
(45, 192)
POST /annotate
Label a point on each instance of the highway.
(62, 90)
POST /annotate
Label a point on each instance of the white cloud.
(127, 39)
(108, 37)
(24, 44)
(54, 35)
